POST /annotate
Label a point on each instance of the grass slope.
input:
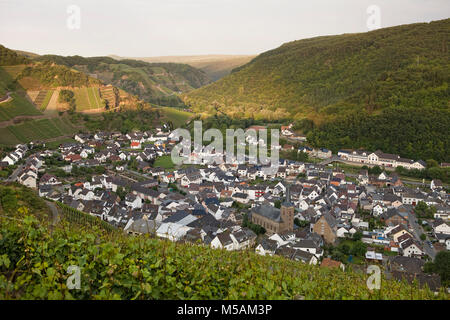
(178, 117)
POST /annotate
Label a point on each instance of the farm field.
(4, 81)
(19, 106)
(178, 117)
(107, 93)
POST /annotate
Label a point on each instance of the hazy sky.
(139, 28)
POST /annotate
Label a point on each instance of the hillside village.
(306, 212)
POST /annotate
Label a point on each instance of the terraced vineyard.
(87, 98)
(43, 99)
(33, 130)
(107, 93)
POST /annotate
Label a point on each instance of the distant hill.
(35, 95)
(27, 54)
(215, 66)
(10, 57)
(158, 83)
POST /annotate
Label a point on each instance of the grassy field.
(55, 144)
(5, 80)
(164, 162)
(7, 76)
(178, 117)
(19, 106)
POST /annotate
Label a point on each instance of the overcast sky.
(139, 28)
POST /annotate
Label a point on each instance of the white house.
(441, 227)
(410, 248)
(133, 201)
(223, 241)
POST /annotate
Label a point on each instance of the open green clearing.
(164, 162)
(178, 117)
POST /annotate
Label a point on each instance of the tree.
(357, 235)
(277, 204)
(359, 249)
(121, 192)
(345, 249)
(441, 266)
(423, 237)
(423, 211)
(432, 163)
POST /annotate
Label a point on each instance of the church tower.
(287, 212)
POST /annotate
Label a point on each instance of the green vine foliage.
(35, 256)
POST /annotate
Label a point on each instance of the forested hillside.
(386, 89)
(158, 83)
(11, 58)
(411, 132)
(328, 76)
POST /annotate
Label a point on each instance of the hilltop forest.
(384, 89)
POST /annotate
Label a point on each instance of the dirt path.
(19, 119)
(7, 99)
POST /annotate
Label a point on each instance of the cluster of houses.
(216, 205)
(380, 158)
(14, 157)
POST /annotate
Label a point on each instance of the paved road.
(417, 231)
